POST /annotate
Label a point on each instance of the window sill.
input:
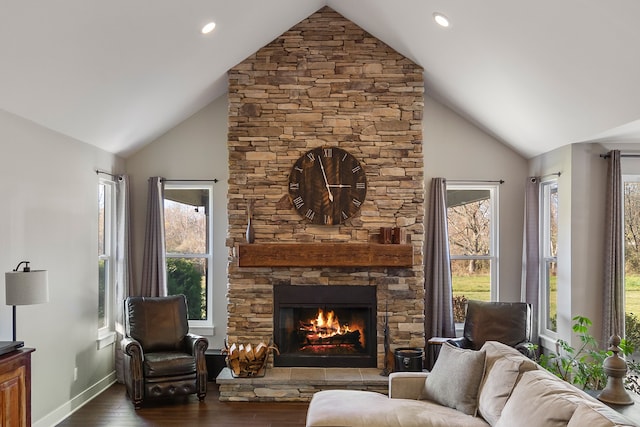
(548, 343)
(105, 339)
(459, 327)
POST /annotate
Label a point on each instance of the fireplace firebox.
(325, 326)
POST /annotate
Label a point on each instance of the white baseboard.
(66, 409)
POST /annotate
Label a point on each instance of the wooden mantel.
(324, 255)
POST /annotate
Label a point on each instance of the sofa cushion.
(538, 399)
(355, 408)
(496, 350)
(503, 369)
(455, 378)
(162, 364)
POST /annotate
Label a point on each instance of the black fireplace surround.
(304, 339)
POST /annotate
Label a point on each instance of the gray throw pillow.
(455, 379)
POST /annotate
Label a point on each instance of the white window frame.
(106, 334)
(201, 327)
(630, 177)
(494, 228)
(545, 256)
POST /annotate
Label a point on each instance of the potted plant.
(583, 366)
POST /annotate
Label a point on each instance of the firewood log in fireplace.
(348, 338)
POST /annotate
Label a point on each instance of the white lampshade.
(26, 287)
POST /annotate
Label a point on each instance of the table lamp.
(25, 287)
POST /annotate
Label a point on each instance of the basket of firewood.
(245, 360)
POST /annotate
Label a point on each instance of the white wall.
(457, 150)
(581, 198)
(48, 188)
(195, 149)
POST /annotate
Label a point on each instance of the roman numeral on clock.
(356, 203)
(298, 202)
(360, 185)
(294, 186)
(328, 152)
(310, 214)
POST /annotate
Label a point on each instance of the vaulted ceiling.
(117, 74)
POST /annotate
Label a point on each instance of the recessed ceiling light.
(208, 28)
(441, 20)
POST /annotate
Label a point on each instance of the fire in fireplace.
(329, 326)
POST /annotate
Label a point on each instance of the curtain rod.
(215, 180)
(606, 156)
(98, 172)
(499, 181)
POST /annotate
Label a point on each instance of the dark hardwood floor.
(112, 408)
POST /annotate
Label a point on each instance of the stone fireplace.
(326, 82)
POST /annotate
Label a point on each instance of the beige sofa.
(496, 386)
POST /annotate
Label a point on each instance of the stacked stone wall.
(326, 82)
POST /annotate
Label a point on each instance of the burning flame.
(329, 325)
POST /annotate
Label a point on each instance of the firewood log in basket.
(245, 360)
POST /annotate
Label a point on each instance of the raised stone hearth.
(298, 384)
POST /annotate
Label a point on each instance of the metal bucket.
(409, 359)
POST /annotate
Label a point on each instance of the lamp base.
(14, 323)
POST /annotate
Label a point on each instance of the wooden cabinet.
(15, 388)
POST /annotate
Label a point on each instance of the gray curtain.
(438, 306)
(123, 265)
(531, 251)
(613, 303)
(154, 267)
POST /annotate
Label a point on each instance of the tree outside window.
(106, 245)
(189, 256)
(472, 226)
(549, 253)
(632, 258)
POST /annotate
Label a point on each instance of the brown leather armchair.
(506, 322)
(161, 357)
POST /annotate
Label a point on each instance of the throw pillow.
(591, 416)
(499, 380)
(455, 379)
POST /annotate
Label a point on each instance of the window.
(548, 256)
(106, 250)
(472, 219)
(632, 258)
(188, 236)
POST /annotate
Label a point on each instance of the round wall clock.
(327, 185)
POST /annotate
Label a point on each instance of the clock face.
(327, 185)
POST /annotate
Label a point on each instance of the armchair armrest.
(526, 348)
(461, 342)
(407, 385)
(133, 376)
(196, 345)
(132, 348)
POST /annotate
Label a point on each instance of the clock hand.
(340, 185)
(326, 183)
